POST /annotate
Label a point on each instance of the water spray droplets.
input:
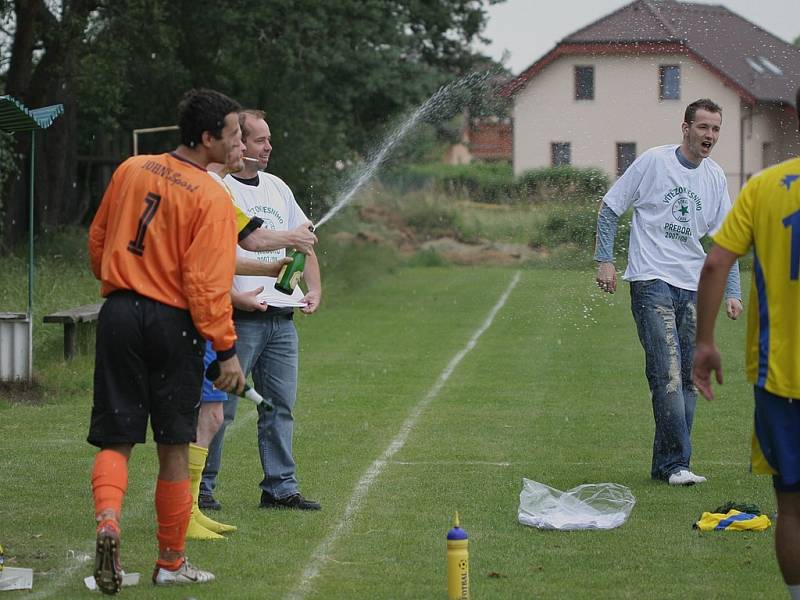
(431, 110)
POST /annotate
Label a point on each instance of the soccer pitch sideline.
(429, 391)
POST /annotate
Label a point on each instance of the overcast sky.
(530, 28)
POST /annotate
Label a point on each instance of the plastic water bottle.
(457, 563)
(212, 373)
(291, 273)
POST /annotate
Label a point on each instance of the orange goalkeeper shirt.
(166, 230)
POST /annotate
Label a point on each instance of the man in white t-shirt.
(267, 340)
(678, 196)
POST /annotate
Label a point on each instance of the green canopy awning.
(15, 116)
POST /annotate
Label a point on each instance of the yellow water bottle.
(457, 563)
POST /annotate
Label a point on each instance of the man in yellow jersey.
(163, 246)
(766, 217)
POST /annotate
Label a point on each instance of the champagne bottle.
(291, 273)
(212, 373)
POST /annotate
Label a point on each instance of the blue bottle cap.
(456, 533)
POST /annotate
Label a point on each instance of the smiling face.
(258, 141)
(701, 135)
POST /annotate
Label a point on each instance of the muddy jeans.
(666, 318)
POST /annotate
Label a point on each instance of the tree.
(44, 54)
(331, 75)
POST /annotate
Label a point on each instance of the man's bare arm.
(261, 239)
(249, 266)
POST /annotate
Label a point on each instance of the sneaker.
(186, 573)
(295, 501)
(107, 570)
(685, 477)
(698, 478)
(208, 501)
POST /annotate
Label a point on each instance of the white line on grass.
(452, 463)
(77, 560)
(320, 554)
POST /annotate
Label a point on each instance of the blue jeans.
(666, 320)
(267, 346)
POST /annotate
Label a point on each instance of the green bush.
(495, 183)
(428, 258)
(431, 219)
(564, 183)
(480, 182)
(567, 224)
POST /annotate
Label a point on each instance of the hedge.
(495, 182)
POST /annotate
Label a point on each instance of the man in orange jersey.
(163, 246)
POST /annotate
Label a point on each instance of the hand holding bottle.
(302, 237)
(213, 373)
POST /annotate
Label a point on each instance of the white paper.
(128, 579)
(13, 578)
(272, 297)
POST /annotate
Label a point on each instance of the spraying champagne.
(213, 371)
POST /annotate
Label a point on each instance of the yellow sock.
(196, 531)
(201, 527)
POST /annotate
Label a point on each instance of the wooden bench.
(77, 338)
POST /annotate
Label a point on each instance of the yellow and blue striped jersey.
(244, 225)
(766, 217)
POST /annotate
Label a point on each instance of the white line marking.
(320, 554)
(451, 463)
(76, 560)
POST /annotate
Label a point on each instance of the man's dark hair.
(253, 112)
(203, 110)
(703, 103)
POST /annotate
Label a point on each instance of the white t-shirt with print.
(273, 202)
(673, 208)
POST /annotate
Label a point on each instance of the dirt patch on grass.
(381, 225)
(22, 392)
(482, 252)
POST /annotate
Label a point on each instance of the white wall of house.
(770, 136)
(626, 108)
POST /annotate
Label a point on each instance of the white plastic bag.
(588, 506)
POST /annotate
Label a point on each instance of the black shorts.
(148, 362)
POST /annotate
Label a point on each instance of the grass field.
(553, 390)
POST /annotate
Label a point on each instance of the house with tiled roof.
(619, 86)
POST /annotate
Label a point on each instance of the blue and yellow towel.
(732, 520)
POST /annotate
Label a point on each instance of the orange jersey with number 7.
(166, 230)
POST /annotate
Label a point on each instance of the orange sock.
(109, 482)
(173, 509)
